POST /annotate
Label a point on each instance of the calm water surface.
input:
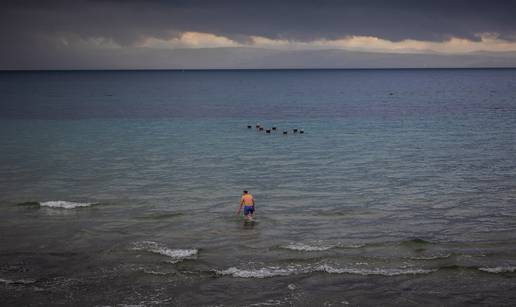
(120, 188)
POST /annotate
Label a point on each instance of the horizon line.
(251, 69)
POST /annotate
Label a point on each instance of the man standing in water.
(247, 201)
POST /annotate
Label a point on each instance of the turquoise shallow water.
(401, 191)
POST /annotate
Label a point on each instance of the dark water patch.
(349, 212)
(13, 268)
(158, 271)
(63, 254)
(38, 253)
(26, 281)
(250, 224)
(61, 283)
(29, 204)
(302, 261)
(160, 216)
(457, 267)
(415, 242)
(389, 243)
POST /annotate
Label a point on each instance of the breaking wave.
(431, 257)
(316, 247)
(262, 272)
(307, 248)
(64, 204)
(499, 269)
(375, 271)
(152, 272)
(177, 255)
(298, 269)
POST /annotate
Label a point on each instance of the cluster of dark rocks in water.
(274, 128)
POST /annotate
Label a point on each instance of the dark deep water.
(119, 188)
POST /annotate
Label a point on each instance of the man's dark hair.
(245, 192)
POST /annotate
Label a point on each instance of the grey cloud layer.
(128, 21)
(31, 31)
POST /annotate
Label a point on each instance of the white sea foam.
(64, 204)
(499, 269)
(154, 272)
(307, 248)
(431, 257)
(262, 272)
(374, 271)
(293, 270)
(318, 246)
(177, 255)
(269, 303)
(351, 245)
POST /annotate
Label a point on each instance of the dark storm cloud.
(128, 21)
(38, 32)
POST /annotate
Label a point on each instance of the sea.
(120, 188)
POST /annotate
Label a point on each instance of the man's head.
(245, 192)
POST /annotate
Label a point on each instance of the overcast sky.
(256, 34)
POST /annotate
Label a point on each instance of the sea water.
(121, 187)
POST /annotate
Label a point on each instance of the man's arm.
(240, 208)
